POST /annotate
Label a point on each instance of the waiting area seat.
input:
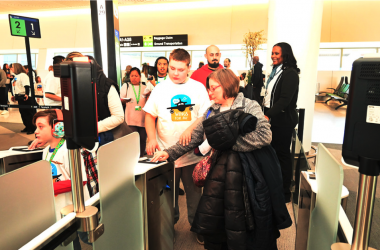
(340, 93)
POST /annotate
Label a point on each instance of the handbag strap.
(208, 113)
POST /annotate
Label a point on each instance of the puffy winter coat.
(220, 216)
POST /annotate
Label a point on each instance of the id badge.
(137, 108)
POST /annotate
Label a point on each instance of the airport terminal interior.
(135, 208)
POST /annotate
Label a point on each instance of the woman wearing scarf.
(280, 104)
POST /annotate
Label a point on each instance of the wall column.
(298, 22)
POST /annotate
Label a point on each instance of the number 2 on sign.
(18, 24)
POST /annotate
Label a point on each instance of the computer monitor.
(362, 129)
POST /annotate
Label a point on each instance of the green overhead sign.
(24, 26)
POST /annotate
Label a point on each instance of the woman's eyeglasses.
(211, 89)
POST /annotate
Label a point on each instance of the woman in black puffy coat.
(221, 215)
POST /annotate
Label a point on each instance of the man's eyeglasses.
(211, 89)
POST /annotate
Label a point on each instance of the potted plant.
(251, 43)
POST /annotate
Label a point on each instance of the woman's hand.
(160, 156)
(26, 97)
(185, 138)
(13, 99)
(151, 147)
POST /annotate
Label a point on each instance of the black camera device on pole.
(361, 142)
(78, 90)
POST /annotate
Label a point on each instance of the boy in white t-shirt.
(50, 130)
(177, 103)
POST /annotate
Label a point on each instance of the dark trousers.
(3, 97)
(9, 88)
(142, 133)
(193, 193)
(281, 140)
(27, 114)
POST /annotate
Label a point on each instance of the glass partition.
(329, 59)
(350, 55)
(197, 56)
(150, 57)
(130, 58)
(8, 58)
(237, 57)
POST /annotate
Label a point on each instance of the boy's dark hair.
(58, 59)
(180, 55)
(51, 114)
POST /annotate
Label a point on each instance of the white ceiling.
(15, 6)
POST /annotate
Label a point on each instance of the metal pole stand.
(369, 171)
(87, 217)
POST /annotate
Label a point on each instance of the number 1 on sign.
(32, 26)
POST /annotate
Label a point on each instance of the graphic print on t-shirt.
(181, 108)
(54, 171)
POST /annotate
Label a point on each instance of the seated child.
(49, 125)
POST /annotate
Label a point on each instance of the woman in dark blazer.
(280, 104)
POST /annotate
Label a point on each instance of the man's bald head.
(213, 56)
(255, 59)
(212, 47)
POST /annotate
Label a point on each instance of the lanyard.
(137, 97)
(56, 150)
(161, 77)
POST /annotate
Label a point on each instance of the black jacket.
(257, 77)
(269, 165)
(220, 216)
(282, 112)
(265, 234)
(103, 85)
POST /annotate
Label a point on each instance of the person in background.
(213, 57)
(34, 73)
(200, 65)
(22, 96)
(253, 90)
(38, 90)
(144, 73)
(127, 72)
(52, 86)
(177, 103)
(3, 92)
(227, 65)
(131, 95)
(161, 65)
(7, 70)
(280, 103)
